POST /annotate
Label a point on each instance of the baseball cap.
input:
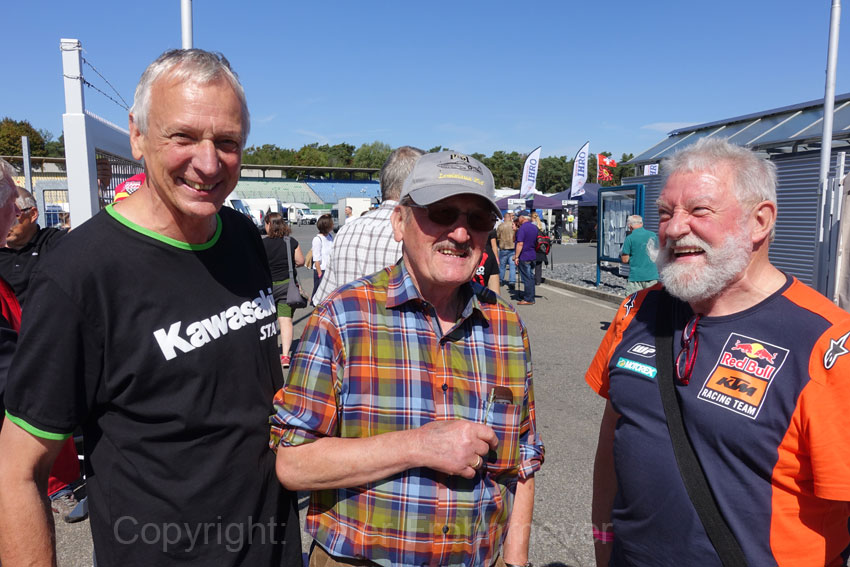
(522, 213)
(441, 175)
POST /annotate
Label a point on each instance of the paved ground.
(565, 328)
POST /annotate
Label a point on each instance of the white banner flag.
(580, 171)
(651, 169)
(529, 174)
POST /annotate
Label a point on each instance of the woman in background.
(278, 231)
(322, 246)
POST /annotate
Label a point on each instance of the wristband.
(603, 537)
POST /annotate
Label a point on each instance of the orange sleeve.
(597, 374)
(825, 411)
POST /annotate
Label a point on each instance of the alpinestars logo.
(200, 333)
(629, 304)
(836, 349)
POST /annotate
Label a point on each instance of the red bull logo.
(740, 383)
(748, 365)
(755, 350)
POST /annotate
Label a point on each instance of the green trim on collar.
(165, 239)
(35, 430)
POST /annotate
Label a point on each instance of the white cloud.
(265, 119)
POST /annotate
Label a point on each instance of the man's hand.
(457, 447)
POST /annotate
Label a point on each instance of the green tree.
(371, 155)
(10, 138)
(267, 154)
(506, 168)
(623, 170)
(339, 155)
(55, 148)
(555, 174)
(311, 155)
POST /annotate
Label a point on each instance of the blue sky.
(473, 76)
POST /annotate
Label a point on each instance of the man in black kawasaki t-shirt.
(155, 330)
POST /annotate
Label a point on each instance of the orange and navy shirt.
(768, 413)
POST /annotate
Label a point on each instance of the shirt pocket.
(504, 419)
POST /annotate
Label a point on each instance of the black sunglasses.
(479, 220)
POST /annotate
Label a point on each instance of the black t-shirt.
(489, 266)
(167, 355)
(16, 265)
(278, 261)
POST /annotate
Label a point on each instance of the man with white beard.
(747, 459)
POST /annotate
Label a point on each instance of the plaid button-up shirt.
(363, 246)
(373, 360)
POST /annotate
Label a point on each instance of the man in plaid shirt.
(409, 409)
(366, 244)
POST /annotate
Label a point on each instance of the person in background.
(128, 187)
(409, 410)
(322, 247)
(349, 212)
(757, 363)
(638, 252)
(366, 244)
(277, 235)
(540, 258)
(26, 245)
(526, 256)
(487, 273)
(10, 309)
(505, 240)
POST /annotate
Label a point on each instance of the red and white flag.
(602, 159)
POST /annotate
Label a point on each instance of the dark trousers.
(526, 273)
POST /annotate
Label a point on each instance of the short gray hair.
(8, 189)
(754, 177)
(634, 220)
(395, 170)
(25, 199)
(191, 65)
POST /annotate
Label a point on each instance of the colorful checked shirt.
(362, 246)
(373, 360)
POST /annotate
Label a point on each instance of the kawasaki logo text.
(213, 327)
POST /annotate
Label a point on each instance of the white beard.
(694, 283)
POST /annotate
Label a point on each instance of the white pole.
(826, 140)
(829, 93)
(186, 21)
(79, 154)
(25, 152)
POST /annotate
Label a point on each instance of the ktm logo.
(737, 384)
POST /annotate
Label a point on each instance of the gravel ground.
(584, 275)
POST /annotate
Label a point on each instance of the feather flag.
(580, 171)
(529, 173)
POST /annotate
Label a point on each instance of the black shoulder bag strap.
(718, 531)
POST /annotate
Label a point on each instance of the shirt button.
(445, 529)
(445, 387)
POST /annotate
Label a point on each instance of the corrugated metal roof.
(777, 130)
